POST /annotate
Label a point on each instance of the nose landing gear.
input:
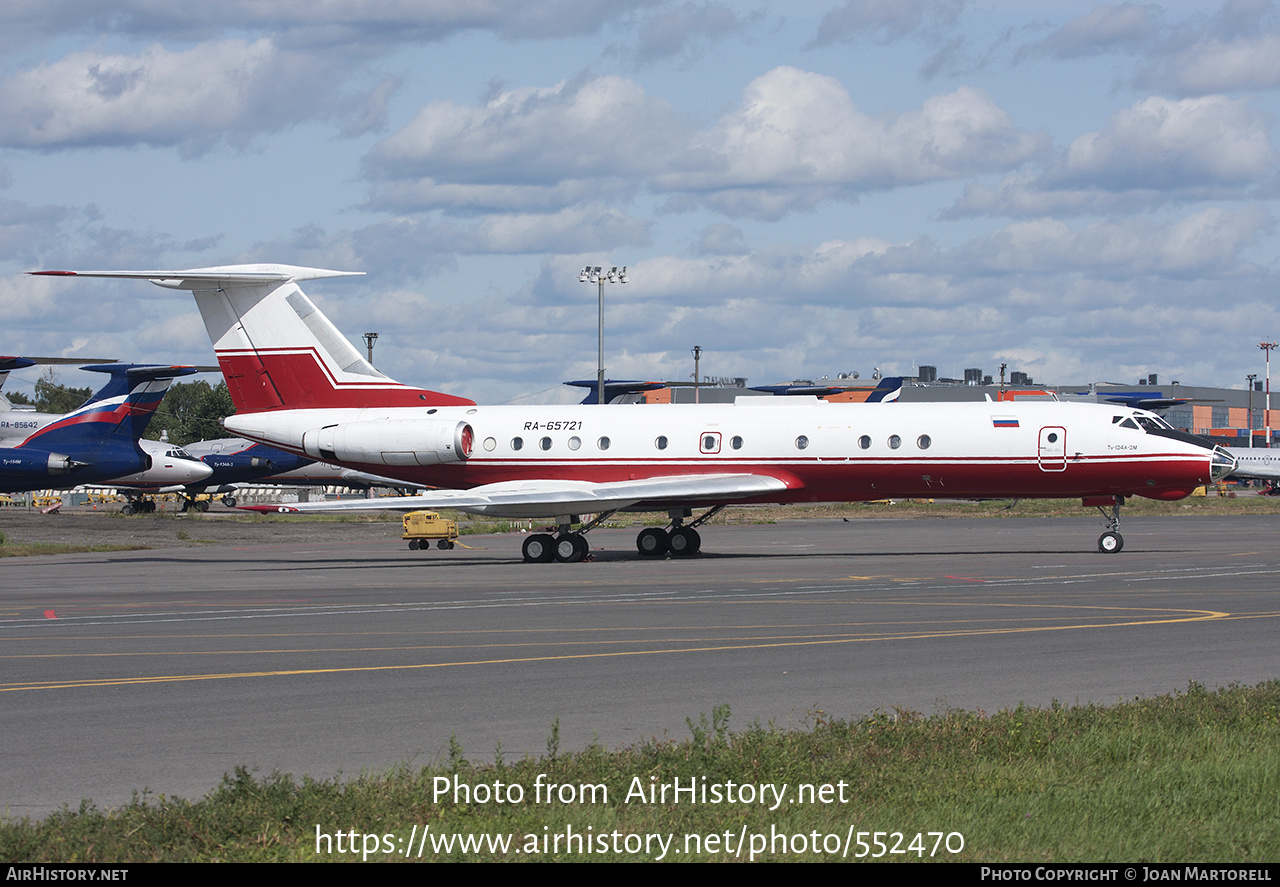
(1111, 541)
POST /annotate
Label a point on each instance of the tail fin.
(613, 389)
(276, 349)
(13, 363)
(6, 365)
(887, 391)
(119, 412)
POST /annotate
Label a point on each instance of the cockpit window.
(1152, 423)
(1129, 423)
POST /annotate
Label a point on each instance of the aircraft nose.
(1222, 464)
(197, 471)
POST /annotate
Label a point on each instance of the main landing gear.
(191, 503)
(1111, 541)
(679, 540)
(567, 546)
(139, 505)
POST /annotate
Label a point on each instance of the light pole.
(697, 355)
(598, 276)
(1266, 410)
(1249, 378)
(369, 339)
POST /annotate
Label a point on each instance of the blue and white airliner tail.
(97, 442)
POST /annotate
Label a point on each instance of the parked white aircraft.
(298, 384)
(172, 469)
(1256, 462)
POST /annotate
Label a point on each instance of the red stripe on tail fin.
(297, 379)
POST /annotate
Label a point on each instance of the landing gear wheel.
(202, 506)
(229, 501)
(444, 545)
(128, 509)
(570, 548)
(1110, 542)
(539, 549)
(684, 541)
(652, 542)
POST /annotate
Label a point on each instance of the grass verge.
(1191, 776)
(34, 549)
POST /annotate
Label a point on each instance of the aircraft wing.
(550, 498)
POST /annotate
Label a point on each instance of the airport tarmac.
(339, 651)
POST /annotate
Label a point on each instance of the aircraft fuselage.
(821, 451)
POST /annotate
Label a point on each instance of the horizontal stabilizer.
(192, 278)
(125, 377)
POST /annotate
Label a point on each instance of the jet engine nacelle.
(391, 442)
(29, 463)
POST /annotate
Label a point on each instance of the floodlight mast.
(1267, 346)
(597, 275)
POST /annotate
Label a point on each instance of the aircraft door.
(1052, 450)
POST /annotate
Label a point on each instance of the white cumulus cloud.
(229, 90)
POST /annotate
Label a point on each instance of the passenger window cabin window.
(545, 443)
(661, 442)
(894, 441)
(736, 442)
(517, 443)
(864, 442)
(924, 441)
(603, 443)
(802, 442)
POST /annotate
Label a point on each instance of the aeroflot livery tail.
(96, 443)
(298, 384)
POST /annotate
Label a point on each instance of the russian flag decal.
(1003, 423)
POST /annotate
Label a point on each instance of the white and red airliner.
(300, 385)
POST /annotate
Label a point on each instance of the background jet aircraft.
(613, 389)
(99, 442)
(235, 462)
(1256, 462)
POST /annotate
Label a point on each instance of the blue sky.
(1085, 192)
